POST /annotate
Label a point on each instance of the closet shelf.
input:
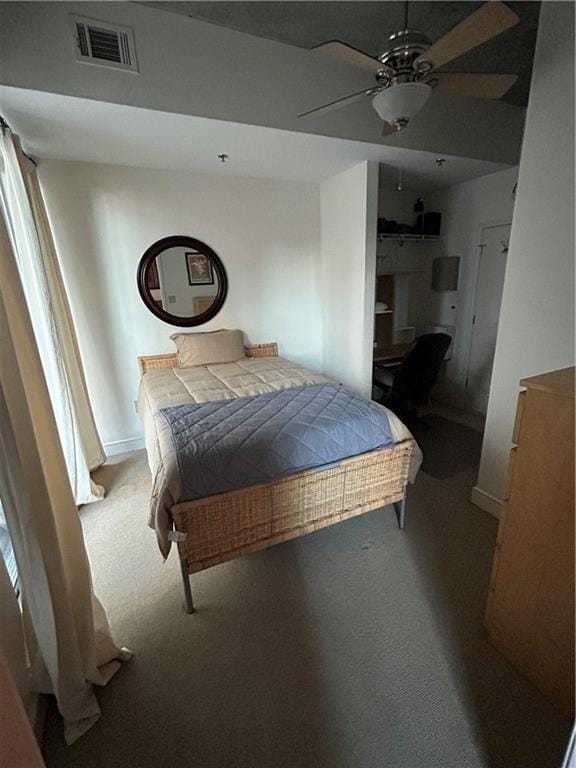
(401, 272)
(408, 237)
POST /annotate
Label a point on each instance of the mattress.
(172, 387)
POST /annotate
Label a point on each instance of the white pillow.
(208, 348)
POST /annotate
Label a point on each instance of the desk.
(395, 353)
(383, 372)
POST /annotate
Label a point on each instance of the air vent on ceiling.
(109, 45)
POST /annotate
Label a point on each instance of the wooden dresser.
(530, 611)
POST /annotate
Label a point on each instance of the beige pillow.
(208, 348)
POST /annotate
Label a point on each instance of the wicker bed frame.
(218, 528)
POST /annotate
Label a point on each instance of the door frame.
(469, 331)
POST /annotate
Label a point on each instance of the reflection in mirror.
(182, 281)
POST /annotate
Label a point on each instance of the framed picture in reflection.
(199, 269)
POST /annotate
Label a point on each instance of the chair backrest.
(420, 367)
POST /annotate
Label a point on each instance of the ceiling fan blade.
(388, 129)
(489, 20)
(343, 102)
(472, 84)
(347, 53)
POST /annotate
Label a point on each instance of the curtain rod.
(5, 127)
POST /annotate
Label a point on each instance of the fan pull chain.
(406, 14)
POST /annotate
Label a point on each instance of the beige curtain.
(47, 302)
(68, 638)
(90, 439)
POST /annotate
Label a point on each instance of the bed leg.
(188, 602)
(401, 510)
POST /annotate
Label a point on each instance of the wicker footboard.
(220, 528)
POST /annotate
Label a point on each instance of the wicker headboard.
(154, 362)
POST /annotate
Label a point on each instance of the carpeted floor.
(449, 447)
(360, 646)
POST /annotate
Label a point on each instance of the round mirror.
(182, 281)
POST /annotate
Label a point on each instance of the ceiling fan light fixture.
(410, 57)
(398, 104)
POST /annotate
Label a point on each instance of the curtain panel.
(51, 318)
(89, 437)
(68, 639)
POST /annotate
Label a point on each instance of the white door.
(489, 283)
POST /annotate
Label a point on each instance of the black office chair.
(409, 384)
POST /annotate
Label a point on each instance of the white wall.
(104, 217)
(190, 67)
(349, 206)
(465, 209)
(536, 332)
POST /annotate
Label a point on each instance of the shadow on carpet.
(448, 447)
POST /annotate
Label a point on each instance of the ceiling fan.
(407, 70)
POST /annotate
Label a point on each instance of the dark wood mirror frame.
(196, 245)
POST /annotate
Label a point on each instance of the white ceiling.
(53, 126)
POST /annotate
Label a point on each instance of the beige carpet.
(360, 646)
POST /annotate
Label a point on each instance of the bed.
(217, 527)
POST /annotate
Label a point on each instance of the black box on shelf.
(387, 227)
(429, 224)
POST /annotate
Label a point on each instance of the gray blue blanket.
(225, 445)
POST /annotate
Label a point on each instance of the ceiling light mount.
(223, 157)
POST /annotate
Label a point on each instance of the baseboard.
(124, 446)
(486, 502)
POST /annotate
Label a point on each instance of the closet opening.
(440, 266)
